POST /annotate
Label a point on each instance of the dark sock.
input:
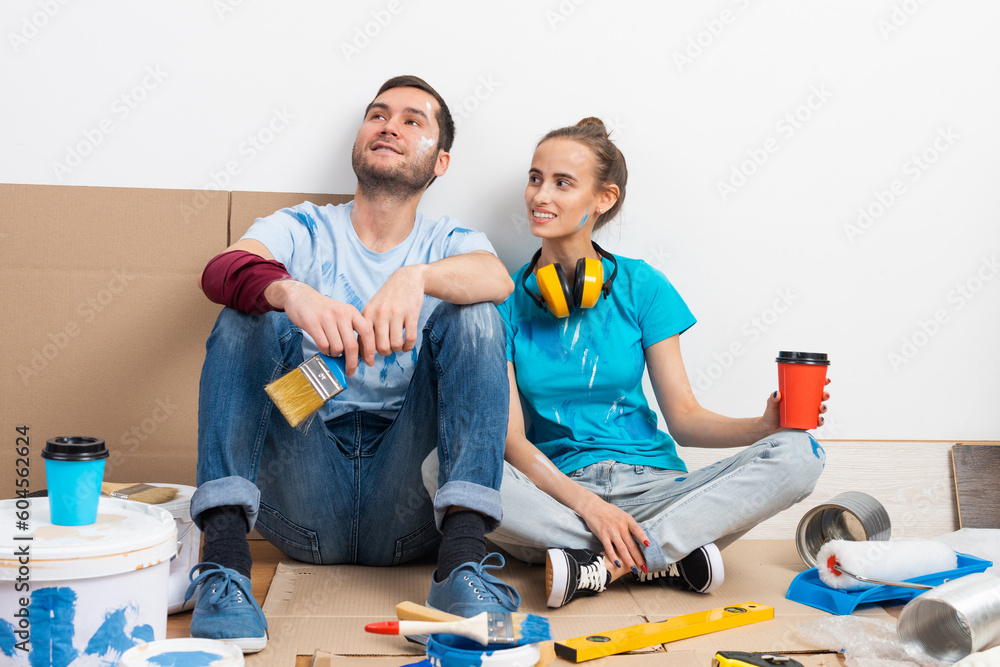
(225, 538)
(463, 540)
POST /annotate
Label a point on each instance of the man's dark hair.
(445, 124)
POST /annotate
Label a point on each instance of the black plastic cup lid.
(817, 358)
(74, 448)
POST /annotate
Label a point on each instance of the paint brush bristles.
(303, 391)
(488, 628)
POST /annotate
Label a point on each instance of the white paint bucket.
(184, 653)
(82, 594)
(188, 548)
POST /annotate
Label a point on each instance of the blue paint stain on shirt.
(302, 217)
(184, 659)
(351, 296)
(387, 363)
(7, 639)
(680, 479)
(327, 271)
(460, 231)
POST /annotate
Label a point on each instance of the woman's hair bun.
(591, 121)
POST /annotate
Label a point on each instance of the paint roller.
(849, 565)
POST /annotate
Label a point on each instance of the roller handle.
(882, 582)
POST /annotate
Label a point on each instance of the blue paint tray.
(807, 588)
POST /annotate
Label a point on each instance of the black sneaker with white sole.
(571, 573)
(700, 571)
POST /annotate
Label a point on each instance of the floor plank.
(977, 468)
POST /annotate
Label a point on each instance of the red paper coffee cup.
(801, 378)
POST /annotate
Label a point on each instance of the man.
(376, 281)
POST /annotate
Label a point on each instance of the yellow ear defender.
(558, 296)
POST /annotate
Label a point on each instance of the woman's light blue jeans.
(350, 490)
(679, 511)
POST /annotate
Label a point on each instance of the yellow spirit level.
(650, 634)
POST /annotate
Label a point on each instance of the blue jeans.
(679, 511)
(350, 491)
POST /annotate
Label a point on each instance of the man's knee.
(429, 471)
(473, 323)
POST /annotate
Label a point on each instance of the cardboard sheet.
(106, 326)
(325, 608)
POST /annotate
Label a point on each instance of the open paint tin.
(188, 652)
(853, 516)
(455, 651)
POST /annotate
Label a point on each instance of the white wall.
(842, 98)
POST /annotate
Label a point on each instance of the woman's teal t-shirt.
(581, 376)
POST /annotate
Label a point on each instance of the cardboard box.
(106, 327)
(325, 608)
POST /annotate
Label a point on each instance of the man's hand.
(336, 327)
(393, 312)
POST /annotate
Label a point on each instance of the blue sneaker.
(226, 608)
(469, 590)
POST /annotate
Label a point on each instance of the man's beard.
(397, 183)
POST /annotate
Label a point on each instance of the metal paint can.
(957, 618)
(852, 515)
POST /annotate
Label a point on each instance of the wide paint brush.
(303, 391)
(489, 627)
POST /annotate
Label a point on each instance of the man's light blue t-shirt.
(581, 376)
(318, 246)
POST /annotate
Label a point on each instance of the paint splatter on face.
(425, 145)
(583, 220)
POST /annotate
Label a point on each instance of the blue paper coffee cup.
(74, 470)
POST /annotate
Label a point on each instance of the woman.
(593, 484)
